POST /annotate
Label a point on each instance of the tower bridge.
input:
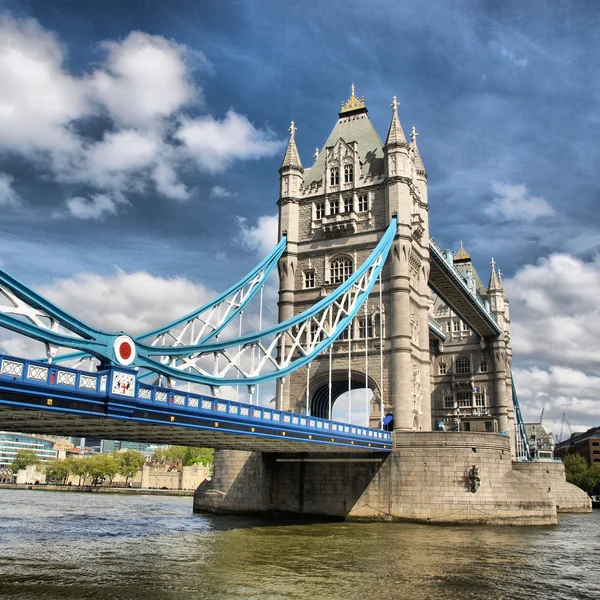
(369, 301)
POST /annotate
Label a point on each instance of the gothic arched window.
(334, 176)
(340, 269)
(462, 365)
(348, 174)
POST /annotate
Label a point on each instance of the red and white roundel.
(124, 348)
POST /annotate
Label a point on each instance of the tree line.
(581, 474)
(102, 467)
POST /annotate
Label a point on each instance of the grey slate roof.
(354, 128)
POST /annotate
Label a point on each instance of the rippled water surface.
(68, 545)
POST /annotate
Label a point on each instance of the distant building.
(111, 445)
(587, 444)
(11, 443)
(541, 442)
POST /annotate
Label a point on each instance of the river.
(107, 547)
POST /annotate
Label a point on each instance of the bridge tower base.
(435, 477)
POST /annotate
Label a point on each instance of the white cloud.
(216, 144)
(145, 78)
(556, 327)
(555, 313)
(38, 98)
(559, 390)
(8, 196)
(130, 302)
(95, 207)
(513, 203)
(262, 238)
(217, 192)
(143, 85)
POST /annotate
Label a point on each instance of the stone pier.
(430, 476)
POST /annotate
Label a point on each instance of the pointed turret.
(416, 156)
(395, 136)
(495, 283)
(292, 158)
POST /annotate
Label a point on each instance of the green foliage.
(103, 466)
(159, 456)
(23, 459)
(579, 473)
(81, 468)
(188, 455)
(130, 463)
(58, 470)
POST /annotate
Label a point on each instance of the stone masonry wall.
(550, 476)
(426, 478)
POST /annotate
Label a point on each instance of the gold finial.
(395, 104)
(353, 102)
(292, 129)
(413, 137)
(462, 254)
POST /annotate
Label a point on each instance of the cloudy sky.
(140, 143)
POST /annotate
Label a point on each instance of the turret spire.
(395, 136)
(494, 281)
(292, 158)
(416, 156)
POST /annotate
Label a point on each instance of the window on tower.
(363, 203)
(465, 399)
(334, 176)
(340, 269)
(365, 328)
(334, 207)
(462, 365)
(443, 368)
(319, 210)
(347, 205)
(309, 279)
(348, 174)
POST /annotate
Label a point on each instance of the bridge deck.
(39, 398)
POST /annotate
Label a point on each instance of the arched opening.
(352, 403)
(388, 422)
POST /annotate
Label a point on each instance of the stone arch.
(319, 390)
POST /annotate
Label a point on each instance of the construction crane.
(542, 415)
(562, 424)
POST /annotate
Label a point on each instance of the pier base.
(436, 477)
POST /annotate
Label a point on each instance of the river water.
(107, 547)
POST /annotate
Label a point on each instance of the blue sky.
(112, 161)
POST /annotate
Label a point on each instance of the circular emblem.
(124, 348)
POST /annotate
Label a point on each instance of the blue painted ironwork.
(255, 279)
(445, 260)
(347, 300)
(436, 328)
(522, 433)
(40, 386)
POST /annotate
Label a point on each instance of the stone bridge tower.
(334, 214)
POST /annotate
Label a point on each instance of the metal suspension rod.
(350, 327)
(237, 387)
(367, 363)
(380, 352)
(260, 318)
(329, 413)
(307, 388)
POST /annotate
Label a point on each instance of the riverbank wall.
(96, 490)
(433, 477)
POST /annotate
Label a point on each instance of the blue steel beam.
(63, 400)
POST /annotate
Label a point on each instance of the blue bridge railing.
(120, 385)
